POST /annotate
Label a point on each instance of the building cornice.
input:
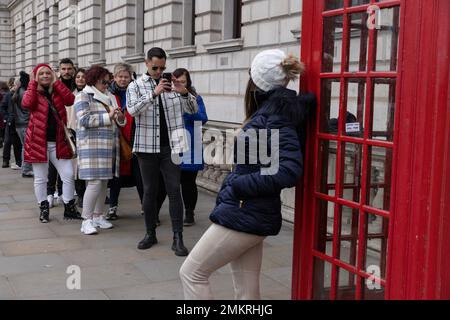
(12, 4)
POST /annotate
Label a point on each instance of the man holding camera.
(158, 103)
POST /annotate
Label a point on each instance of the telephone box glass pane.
(333, 4)
(387, 35)
(356, 100)
(359, 42)
(346, 289)
(332, 44)
(379, 178)
(358, 2)
(383, 109)
(327, 167)
(324, 227)
(329, 109)
(377, 244)
(352, 165)
(321, 280)
(349, 235)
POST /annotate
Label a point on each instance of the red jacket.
(36, 137)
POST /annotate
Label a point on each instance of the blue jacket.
(193, 160)
(248, 200)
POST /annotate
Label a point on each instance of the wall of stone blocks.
(110, 31)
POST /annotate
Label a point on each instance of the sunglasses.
(155, 68)
(106, 82)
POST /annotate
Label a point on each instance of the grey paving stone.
(282, 275)
(90, 295)
(161, 270)
(107, 256)
(32, 263)
(6, 292)
(29, 198)
(35, 246)
(92, 278)
(18, 223)
(7, 200)
(39, 232)
(222, 287)
(167, 290)
(9, 214)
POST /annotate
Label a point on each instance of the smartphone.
(167, 76)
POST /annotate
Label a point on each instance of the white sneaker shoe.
(100, 222)
(50, 200)
(15, 167)
(88, 228)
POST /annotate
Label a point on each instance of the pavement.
(34, 258)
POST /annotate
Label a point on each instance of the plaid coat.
(97, 138)
(142, 106)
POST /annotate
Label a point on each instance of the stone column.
(30, 40)
(43, 41)
(163, 24)
(68, 14)
(6, 49)
(53, 29)
(91, 39)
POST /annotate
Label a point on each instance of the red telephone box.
(373, 212)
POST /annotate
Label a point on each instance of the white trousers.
(65, 170)
(94, 198)
(218, 247)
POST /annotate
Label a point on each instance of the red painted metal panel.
(418, 265)
(421, 223)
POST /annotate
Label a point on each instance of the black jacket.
(249, 201)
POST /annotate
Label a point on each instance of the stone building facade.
(215, 39)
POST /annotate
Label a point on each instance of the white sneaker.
(15, 167)
(87, 227)
(50, 200)
(58, 201)
(100, 222)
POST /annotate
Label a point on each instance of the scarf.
(106, 99)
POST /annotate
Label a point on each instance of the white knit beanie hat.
(267, 69)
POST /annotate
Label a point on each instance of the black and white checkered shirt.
(145, 108)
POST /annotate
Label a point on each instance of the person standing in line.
(130, 174)
(67, 77)
(158, 107)
(22, 117)
(248, 207)
(11, 137)
(98, 144)
(192, 161)
(80, 84)
(46, 98)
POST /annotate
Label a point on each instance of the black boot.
(5, 164)
(189, 218)
(71, 211)
(44, 217)
(148, 241)
(178, 245)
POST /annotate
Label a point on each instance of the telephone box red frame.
(418, 234)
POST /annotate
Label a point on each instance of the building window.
(188, 22)
(232, 19)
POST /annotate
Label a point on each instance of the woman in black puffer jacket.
(248, 207)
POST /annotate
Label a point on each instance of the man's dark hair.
(156, 52)
(66, 61)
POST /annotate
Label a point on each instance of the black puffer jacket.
(249, 201)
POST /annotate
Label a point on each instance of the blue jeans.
(27, 168)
